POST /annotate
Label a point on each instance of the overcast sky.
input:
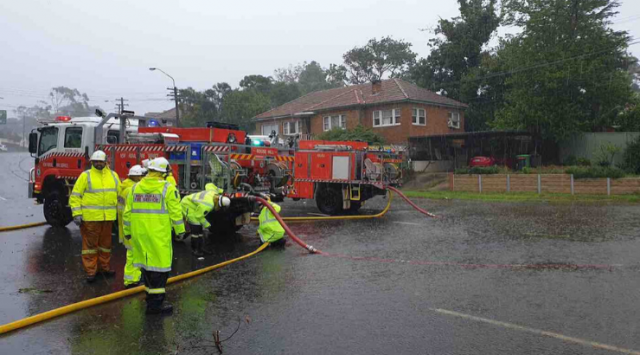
(104, 48)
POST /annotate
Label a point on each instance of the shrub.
(607, 153)
(482, 170)
(583, 162)
(631, 157)
(570, 160)
(593, 172)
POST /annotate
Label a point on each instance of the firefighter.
(169, 176)
(212, 187)
(270, 229)
(195, 208)
(152, 208)
(93, 204)
(131, 273)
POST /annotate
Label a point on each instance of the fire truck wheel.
(355, 207)
(56, 211)
(329, 201)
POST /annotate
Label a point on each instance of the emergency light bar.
(63, 118)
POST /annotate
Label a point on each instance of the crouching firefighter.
(270, 229)
(152, 208)
(131, 273)
(195, 208)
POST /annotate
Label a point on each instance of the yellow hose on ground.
(22, 226)
(337, 218)
(113, 296)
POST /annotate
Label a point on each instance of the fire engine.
(340, 176)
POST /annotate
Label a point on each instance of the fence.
(587, 145)
(547, 183)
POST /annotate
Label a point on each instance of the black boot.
(165, 308)
(206, 247)
(196, 246)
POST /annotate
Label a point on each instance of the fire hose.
(22, 226)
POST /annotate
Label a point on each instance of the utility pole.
(175, 97)
(120, 106)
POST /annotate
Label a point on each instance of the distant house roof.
(165, 115)
(391, 90)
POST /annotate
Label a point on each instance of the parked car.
(482, 161)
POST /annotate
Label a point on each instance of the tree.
(240, 106)
(308, 77)
(201, 107)
(70, 102)
(378, 59)
(567, 69)
(259, 83)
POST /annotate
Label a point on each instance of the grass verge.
(519, 196)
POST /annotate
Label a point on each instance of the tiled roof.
(392, 90)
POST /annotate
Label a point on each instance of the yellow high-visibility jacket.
(270, 229)
(153, 207)
(170, 179)
(124, 190)
(95, 195)
(212, 187)
(196, 207)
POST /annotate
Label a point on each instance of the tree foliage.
(376, 60)
(359, 133)
(566, 72)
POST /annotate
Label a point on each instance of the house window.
(290, 128)
(331, 122)
(419, 117)
(267, 129)
(454, 120)
(384, 118)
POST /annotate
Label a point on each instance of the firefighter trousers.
(155, 283)
(131, 273)
(96, 246)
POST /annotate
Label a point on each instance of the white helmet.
(98, 155)
(145, 163)
(223, 201)
(136, 170)
(159, 164)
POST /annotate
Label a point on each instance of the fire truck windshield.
(48, 139)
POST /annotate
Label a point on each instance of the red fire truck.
(340, 176)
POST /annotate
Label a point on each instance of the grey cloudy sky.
(104, 48)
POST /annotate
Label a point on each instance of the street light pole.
(175, 94)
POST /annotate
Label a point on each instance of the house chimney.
(376, 86)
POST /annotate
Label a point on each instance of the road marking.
(584, 342)
(410, 223)
(2, 198)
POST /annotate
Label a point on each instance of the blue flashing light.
(154, 123)
(257, 143)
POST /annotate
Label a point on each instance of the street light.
(175, 94)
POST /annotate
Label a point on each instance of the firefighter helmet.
(136, 170)
(159, 164)
(98, 155)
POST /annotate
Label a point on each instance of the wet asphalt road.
(577, 277)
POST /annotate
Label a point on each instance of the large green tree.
(566, 72)
(376, 60)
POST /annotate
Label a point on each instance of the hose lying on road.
(337, 218)
(22, 226)
(416, 207)
(113, 296)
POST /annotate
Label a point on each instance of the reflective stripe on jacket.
(270, 229)
(152, 208)
(125, 188)
(196, 207)
(95, 195)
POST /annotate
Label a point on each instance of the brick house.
(394, 108)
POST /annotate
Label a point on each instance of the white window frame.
(270, 125)
(327, 125)
(415, 116)
(395, 117)
(454, 122)
(286, 128)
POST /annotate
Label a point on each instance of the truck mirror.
(33, 142)
(100, 113)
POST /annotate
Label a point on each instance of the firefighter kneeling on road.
(195, 208)
(152, 208)
(131, 273)
(270, 229)
(93, 205)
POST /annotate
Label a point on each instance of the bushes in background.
(631, 157)
(483, 170)
(593, 172)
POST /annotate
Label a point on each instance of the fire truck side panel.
(312, 144)
(217, 135)
(321, 166)
(303, 190)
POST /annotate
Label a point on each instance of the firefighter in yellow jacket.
(131, 273)
(195, 208)
(270, 229)
(152, 209)
(93, 205)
